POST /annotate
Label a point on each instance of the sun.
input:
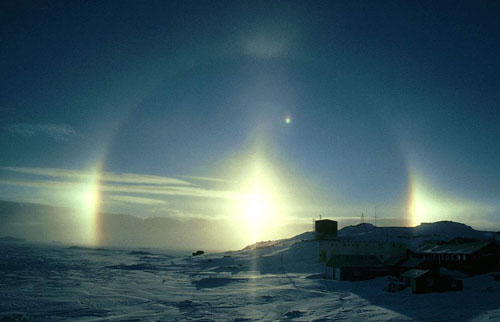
(260, 206)
(259, 212)
(288, 119)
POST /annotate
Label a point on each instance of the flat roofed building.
(420, 280)
(325, 228)
(384, 251)
(471, 256)
(353, 267)
(356, 260)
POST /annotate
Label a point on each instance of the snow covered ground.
(268, 281)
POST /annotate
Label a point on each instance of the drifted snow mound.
(298, 254)
(363, 229)
(449, 230)
(307, 236)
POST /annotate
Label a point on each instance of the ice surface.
(268, 281)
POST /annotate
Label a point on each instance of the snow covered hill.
(413, 236)
(300, 254)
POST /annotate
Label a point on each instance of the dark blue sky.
(385, 98)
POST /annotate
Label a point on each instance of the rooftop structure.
(468, 256)
(325, 228)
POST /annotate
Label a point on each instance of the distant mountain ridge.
(42, 223)
(9, 239)
(413, 236)
(47, 224)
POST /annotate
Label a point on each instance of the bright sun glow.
(260, 206)
(89, 202)
(422, 207)
(426, 204)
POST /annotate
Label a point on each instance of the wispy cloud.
(126, 193)
(110, 182)
(191, 191)
(57, 131)
(136, 200)
(173, 191)
(206, 179)
(65, 174)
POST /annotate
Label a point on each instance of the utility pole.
(362, 218)
(375, 216)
